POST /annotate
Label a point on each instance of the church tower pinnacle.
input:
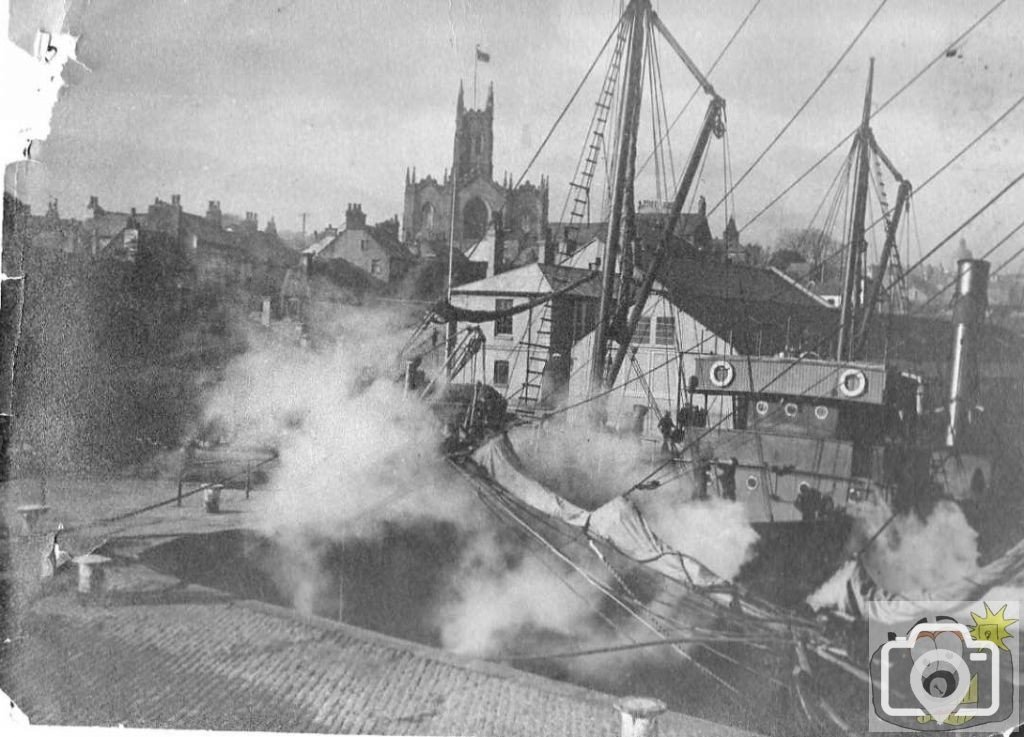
(474, 139)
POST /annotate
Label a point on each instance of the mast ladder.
(580, 186)
(538, 351)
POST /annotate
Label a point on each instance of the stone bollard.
(30, 516)
(211, 498)
(639, 716)
(90, 573)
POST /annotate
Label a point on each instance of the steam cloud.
(357, 457)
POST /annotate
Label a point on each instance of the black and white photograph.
(570, 367)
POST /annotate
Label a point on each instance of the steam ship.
(805, 431)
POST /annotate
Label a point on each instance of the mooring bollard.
(211, 498)
(30, 516)
(90, 572)
(181, 483)
(639, 716)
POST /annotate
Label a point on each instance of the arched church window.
(428, 214)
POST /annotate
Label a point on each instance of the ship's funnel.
(968, 317)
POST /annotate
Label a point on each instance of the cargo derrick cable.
(782, 131)
(941, 55)
(602, 588)
(697, 89)
(639, 607)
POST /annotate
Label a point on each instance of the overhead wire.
(920, 73)
(792, 119)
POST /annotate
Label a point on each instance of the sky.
(300, 106)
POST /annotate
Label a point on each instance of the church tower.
(474, 139)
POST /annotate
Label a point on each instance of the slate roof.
(185, 657)
(206, 231)
(106, 224)
(389, 242)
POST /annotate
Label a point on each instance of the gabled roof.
(755, 309)
(106, 224)
(317, 246)
(267, 248)
(532, 280)
(389, 242)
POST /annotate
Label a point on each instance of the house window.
(500, 373)
(642, 336)
(362, 245)
(375, 267)
(665, 331)
(503, 325)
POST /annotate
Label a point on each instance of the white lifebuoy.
(852, 383)
(722, 374)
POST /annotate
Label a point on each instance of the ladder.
(580, 186)
(538, 352)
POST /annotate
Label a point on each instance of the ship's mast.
(618, 318)
(624, 165)
(853, 272)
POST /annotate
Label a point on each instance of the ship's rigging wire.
(941, 55)
(692, 640)
(698, 88)
(594, 582)
(792, 119)
(992, 200)
(697, 605)
(961, 152)
(572, 99)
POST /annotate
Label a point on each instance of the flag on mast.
(482, 55)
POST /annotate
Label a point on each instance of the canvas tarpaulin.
(618, 522)
(862, 598)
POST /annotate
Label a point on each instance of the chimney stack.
(176, 200)
(354, 217)
(213, 213)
